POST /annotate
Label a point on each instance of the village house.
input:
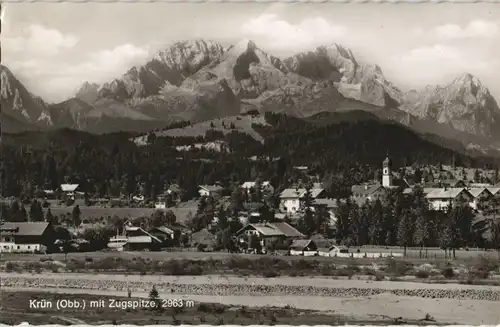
(376, 191)
(26, 236)
(480, 197)
(369, 193)
(69, 191)
(210, 190)
(440, 199)
(137, 239)
(292, 199)
(266, 187)
(269, 232)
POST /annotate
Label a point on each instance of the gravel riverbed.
(234, 286)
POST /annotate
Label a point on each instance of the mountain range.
(201, 80)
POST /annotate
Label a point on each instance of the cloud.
(281, 35)
(39, 41)
(56, 80)
(474, 29)
(437, 64)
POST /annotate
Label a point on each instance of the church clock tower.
(386, 172)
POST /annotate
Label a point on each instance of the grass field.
(181, 213)
(242, 124)
(412, 256)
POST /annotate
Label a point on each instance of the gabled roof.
(301, 244)
(212, 188)
(475, 192)
(300, 192)
(69, 187)
(288, 230)
(442, 193)
(365, 189)
(493, 190)
(23, 228)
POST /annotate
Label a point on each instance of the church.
(375, 190)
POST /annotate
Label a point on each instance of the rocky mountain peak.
(464, 103)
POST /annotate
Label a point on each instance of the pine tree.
(50, 218)
(75, 215)
(154, 297)
(405, 229)
(36, 212)
(343, 228)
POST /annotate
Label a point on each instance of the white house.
(210, 190)
(441, 198)
(266, 186)
(291, 199)
(479, 197)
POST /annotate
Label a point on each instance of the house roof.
(288, 230)
(164, 229)
(493, 190)
(301, 244)
(23, 228)
(330, 203)
(212, 188)
(475, 192)
(442, 193)
(274, 229)
(251, 206)
(300, 192)
(69, 187)
(252, 184)
(428, 190)
(365, 189)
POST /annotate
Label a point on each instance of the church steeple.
(386, 172)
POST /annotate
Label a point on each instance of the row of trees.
(405, 220)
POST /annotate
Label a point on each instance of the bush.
(422, 274)
(270, 273)
(10, 266)
(396, 267)
(448, 272)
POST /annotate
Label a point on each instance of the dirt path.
(473, 312)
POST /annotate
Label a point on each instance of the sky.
(53, 48)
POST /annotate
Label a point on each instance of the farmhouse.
(292, 200)
(269, 232)
(480, 197)
(210, 190)
(440, 199)
(26, 236)
(140, 239)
